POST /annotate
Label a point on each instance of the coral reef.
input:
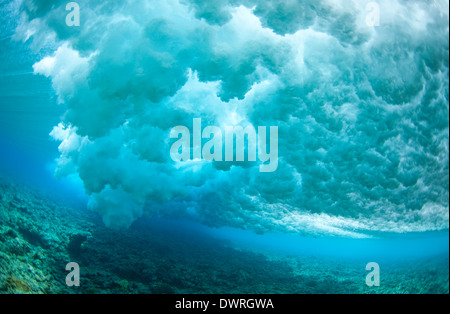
(37, 243)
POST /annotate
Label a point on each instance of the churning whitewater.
(361, 110)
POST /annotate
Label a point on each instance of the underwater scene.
(253, 147)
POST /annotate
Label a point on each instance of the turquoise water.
(362, 172)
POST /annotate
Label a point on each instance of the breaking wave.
(362, 111)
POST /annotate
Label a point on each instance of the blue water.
(388, 247)
(363, 168)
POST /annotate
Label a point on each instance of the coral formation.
(74, 247)
(14, 285)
